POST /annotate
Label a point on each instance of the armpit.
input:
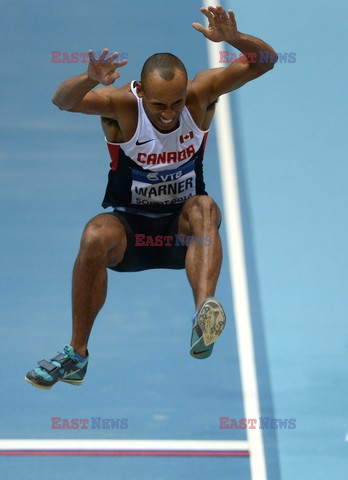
(212, 105)
(109, 121)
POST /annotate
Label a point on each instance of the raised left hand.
(222, 26)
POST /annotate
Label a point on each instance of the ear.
(139, 89)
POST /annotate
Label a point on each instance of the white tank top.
(162, 167)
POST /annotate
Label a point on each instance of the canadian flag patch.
(185, 137)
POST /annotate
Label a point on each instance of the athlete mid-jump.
(162, 217)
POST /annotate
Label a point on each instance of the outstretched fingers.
(220, 12)
(103, 59)
(199, 27)
(231, 17)
(103, 55)
(112, 59)
(210, 18)
(91, 56)
(209, 13)
(121, 63)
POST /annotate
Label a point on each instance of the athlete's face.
(164, 100)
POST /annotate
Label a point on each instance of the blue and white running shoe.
(67, 367)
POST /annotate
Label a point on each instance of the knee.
(98, 240)
(204, 211)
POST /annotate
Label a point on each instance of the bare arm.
(77, 95)
(222, 27)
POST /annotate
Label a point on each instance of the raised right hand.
(103, 70)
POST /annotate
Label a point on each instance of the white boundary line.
(235, 247)
(123, 445)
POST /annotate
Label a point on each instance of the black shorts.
(138, 229)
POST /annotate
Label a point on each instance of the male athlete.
(162, 216)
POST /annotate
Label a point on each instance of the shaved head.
(163, 90)
(165, 64)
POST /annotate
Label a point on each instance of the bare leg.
(103, 244)
(200, 217)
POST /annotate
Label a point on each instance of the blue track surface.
(291, 154)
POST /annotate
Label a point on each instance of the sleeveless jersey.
(156, 171)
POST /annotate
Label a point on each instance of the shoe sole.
(48, 387)
(211, 320)
(72, 382)
(37, 385)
